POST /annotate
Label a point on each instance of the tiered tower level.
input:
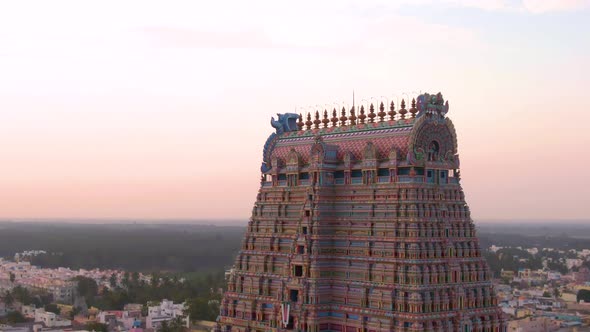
(360, 224)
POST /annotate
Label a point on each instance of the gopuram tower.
(361, 225)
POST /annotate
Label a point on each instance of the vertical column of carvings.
(479, 294)
(319, 292)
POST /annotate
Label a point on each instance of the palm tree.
(8, 299)
(556, 293)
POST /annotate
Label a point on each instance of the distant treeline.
(186, 248)
(134, 247)
(524, 240)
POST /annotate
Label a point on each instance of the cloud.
(175, 37)
(345, 28)
(544, 6)
(527, 6)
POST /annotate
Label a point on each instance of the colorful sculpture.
(362, 226)
(286, 122)
(432, 105)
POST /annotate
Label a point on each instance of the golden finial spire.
(391, 112)
(381, 113)
(352, 117)
(372, 113)
(403, 111)
(325, 120)
(413, 109)
(362, 116)
(334, 118)
(308, 123)
(300, 122)
(343, 118)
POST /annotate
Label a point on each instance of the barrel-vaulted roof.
(414, 135)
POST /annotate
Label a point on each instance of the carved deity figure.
(433, 151)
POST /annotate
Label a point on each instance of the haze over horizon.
(145, 110)
(243, 222)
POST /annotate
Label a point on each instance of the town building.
(361, 224)
(166, 311)
(507, 274)
(529, 324)
(50, 319)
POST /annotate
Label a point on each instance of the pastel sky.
(159, 109)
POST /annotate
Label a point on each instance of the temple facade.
(361, 225)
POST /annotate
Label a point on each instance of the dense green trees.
(203, 308)
(113, 281)
(52, 307)
(583, 295)
(87, 288)
(7, 298)
(197, 289)
(175, 325)
(513, 259)
(171, 248)
(97, 327)
(13, 317)
(24, 296)
(510, 259)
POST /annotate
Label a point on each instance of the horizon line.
(213, 221)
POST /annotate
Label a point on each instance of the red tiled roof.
(354, 142)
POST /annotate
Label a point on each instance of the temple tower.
(361, 224)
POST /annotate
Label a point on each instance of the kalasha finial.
(334, 118)
(300, 123)
(343, 118)
(403, 111)
(381, 113)
(391, 112)
(325, 120)
(362, 116)
(372, 113)
(352, 117)
(308, 123)
(317, 121)
(413, 109)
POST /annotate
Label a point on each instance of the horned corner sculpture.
(361, 224)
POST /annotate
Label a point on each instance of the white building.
(49, 319)
(28, 311)
(494, 248)
(166, 311)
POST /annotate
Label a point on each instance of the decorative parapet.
(424, 104)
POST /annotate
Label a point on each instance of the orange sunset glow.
(153, 110)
